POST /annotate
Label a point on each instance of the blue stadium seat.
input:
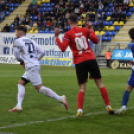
(104, 38)
(44, 9)
(129, 14)
(35, 18)
(16, 5)
(106, 10)
(69, 27)
(48, 9)
(117, 28)
(48, 5)
(105, 23)
(111, 9)
(12, 4)
(45, 31)
(107, 33)
(110, 5)
(108, 39)
(11, 26)
(31, 16)
(78, 17)
(52, 4)
(44, 4)
(110, 23)
(93, 23)
(131, 9)
(51, 31)
(41, 31)
(108, 14)
(113, 33)
(7, 13)
(12, 30)
(11, 9)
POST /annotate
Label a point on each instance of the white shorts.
(32, 75)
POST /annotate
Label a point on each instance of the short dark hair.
(22, 28)
(131, 33)
(73, 18)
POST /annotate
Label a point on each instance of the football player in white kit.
(28, 53)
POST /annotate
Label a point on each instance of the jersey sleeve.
(16, 44)
(63, 45)
(92, 36)
(132, 48)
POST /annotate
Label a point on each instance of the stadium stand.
(110, 18)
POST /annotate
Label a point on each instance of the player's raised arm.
(62, 45)
(92, 35)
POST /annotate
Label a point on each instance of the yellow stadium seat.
(97, 32)
(43, 1)
(121, 23)
(83, 22)
(108, 18)
(131, 4)
(79, 26)
(39, 3)
(36, 31)
(79, 23)
(126, 18)
(102, 33)
(105, 28)
(115, 23)
(31, 31)
(47, 1)
(111, 28)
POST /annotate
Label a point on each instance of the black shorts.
(83, 68)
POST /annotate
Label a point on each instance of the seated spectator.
(54, 23)
(53, 15)
(39, 25)
(2, 15)
(28, 11)
(100, 26)
(60, 28)
(34, 25)
(81, 5)
(15, 23)
(47, 15)
(81, 10)
(52, 9)
(125, 1)
(95, 5)
(2, 3)
(113, 16)
(116, 9)
(58, 15)
(7, 28)
(21, 19)
(34, 12)
(59, 22)
(61, 4)
(34, 2)
(30, 25)
(118, 16)
(83, 15)
(122, 16)
(67, 15)
(86, 7)
(91, 7)
(125, 7)
(65, 28)
(92, 17)
(6, 7)
(48, 23)
(103, 15)
(101, 6)
(30, 6)
(25, 20)
(17, 18)
(97, 17)
(96, 25)
(77, 11)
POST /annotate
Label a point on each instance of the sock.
(48, 92)
(104, 95)
(21, 94)
(125, 98)
(80, 100)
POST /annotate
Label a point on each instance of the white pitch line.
(7, 133)
(50, 120)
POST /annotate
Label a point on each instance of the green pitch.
(44, 115)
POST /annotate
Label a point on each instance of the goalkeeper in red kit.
(84, 59)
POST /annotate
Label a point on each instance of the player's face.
(18, 34)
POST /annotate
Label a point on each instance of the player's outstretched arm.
(62, 45)
(92, 35)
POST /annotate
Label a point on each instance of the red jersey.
(77, 39)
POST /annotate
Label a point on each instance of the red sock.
(80, 100)
(104, 95)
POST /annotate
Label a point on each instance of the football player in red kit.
(84, 59)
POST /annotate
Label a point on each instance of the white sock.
(48, 92)
(21, 94)
(80, 110)
(124, 106)
(107, 106)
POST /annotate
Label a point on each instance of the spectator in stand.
(34, 12)
(98, 16)
(60, 28)
(67, 15)
(57, 8)
(28, 11)
(61, 4)
(2, 3)
(81, 5)
(6, 7)
(17, 18)
(125, 1)
(113, 16)
(116, 9)
(100, 26)
(122, 16)
(59, 22)
(52, 9)
(15, 23)
(65, 28)
(7, 28)
(96, 25)
(39, 17)
(91, 7)
(125, 7)
(30, 7)
(103, 15)
(96, 6)
(30, 25)
(77, 11)
(92, 17)
(34, 25)
(25, 20)
(118, 16)
(120, 9)
(34, 2)
(83, 15)
(88, 16)
(54, 23)
(21, 19)
(86, 6)
(48, 23)
(101, 6)
(39, 25)
(47, 15)
(53, 15)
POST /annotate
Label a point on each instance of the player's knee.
(38, 87)
(129, 88)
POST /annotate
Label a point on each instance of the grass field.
(44, 115)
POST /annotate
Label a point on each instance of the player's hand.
(57, 32)
(22, 63)
(89, 25)
(131, 63)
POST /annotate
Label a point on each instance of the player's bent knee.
(38, 87)
(21, 82)
(129, 88)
